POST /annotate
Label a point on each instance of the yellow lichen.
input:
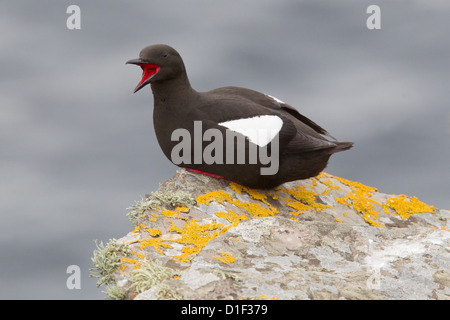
(254, 194)
(405, 206)
(305, 197)
(170, 213)
(194, 236)
(369, 219)
(273, 194)
(232, 217)
(125, 261)
(255, 209)
(218, 196)
(359, 200)
(330, 184)
(300, 193)
(128, 260)
(154, 232)
(263, 296)
(156, 243)
(225, 257)
(182, 209)
(297, 205)
(186, 252)
(236, 187)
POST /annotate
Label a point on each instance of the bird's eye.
(164, 55)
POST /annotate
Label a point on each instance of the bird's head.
(159, 63)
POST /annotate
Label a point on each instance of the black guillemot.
(235, 133)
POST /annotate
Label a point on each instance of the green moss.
(114, 292)
(164, 292)
(140, 207)
(150, 273)
(107, 260)
(228, 275)
(175, 198)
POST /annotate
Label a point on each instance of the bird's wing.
(259, 124)
(271, 103)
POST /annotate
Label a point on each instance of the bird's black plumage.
(303, 146)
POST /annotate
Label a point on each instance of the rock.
(320, 238)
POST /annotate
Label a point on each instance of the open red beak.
(148, 71)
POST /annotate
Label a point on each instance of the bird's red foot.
(206, 173)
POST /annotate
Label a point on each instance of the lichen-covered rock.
(322, 238)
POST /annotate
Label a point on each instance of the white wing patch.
(259, 130)
(276, 99)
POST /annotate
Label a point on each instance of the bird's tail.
(341, 146)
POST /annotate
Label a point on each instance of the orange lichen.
(236, 187)
(359, 200)
(263, 296)
(182, 209)
(128, 260)
(273, 194)
(300, 193)
(194, 236)
(170, 213)
(304, 200)
(125, 261)
(253, 193)
(153, 232)
(298, 206)
(232, 217)
(329, 183)
(156, 243)
(218, 196)
(225, 257)
(405, 206)
(255, 209)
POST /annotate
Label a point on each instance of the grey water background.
(77, 147)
